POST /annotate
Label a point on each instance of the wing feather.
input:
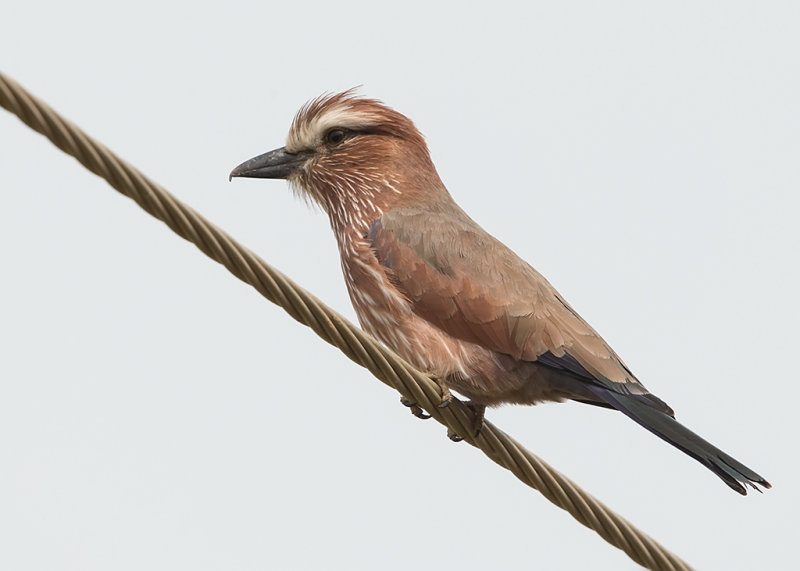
(467, 283)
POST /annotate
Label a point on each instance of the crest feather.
(347, 110)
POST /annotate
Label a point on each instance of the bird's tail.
(732, 472)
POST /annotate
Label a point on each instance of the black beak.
(274, 164)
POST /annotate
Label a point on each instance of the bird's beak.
(274, 164)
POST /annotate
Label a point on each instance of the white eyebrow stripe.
(306, 134)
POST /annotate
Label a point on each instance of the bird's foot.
(446, 399)
(416, 410)
(478, 412)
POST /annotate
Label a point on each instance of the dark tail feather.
(732, 472)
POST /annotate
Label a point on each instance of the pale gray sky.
(157, 413)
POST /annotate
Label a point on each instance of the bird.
(435, 287)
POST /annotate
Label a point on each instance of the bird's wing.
(464, 281)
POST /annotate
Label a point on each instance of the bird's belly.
(414, 339)
(482, 375)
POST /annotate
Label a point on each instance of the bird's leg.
(478, 412)
(447, 396)
(416, 410)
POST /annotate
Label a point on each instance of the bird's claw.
(453, 436)
(478, 412)
(416, 410)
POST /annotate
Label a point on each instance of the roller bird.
(431, 284)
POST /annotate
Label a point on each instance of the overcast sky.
(156, 413)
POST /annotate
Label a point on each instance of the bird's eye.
(335, 136)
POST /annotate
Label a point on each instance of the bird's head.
(354, 156)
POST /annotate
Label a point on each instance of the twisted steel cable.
(389, 368)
